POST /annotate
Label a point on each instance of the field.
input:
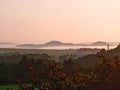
(13, 87)
(4, 87)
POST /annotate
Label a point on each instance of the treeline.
(47, 74)
(15, 55)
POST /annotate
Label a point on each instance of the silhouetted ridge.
(99, 43)
(54, 43)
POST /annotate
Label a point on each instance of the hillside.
(99, 43)
(53, 43)
(90, 59)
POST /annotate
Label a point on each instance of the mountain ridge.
(59, 43)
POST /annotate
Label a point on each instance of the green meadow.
(4, 87)
(13, 87)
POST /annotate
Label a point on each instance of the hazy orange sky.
(39, 21)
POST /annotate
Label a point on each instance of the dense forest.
(100, 71)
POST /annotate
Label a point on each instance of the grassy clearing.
(14, 87)
(4, 87)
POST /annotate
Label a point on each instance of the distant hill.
(70, 44)
(48, 44)
(53, 43)
(25, 45)
(99, 43)
(58, 43)
(30, 46)
(6, 43)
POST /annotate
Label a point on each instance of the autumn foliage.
(101, 76)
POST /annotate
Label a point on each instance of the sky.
(40, 21)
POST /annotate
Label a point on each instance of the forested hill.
(88, 60)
